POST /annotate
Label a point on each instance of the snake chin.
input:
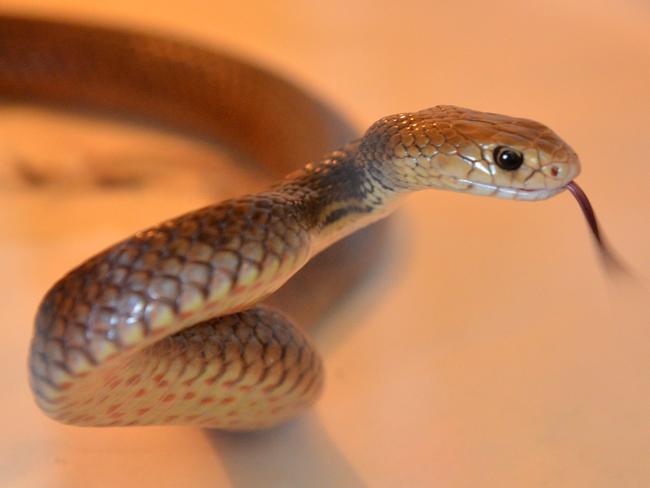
(509, 193)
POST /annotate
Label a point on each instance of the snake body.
(166, 327)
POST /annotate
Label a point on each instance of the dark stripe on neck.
(340, 213)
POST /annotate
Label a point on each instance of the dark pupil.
(508, 158)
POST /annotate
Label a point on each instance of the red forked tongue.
(609, 259)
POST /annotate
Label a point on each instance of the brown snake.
(165, 327)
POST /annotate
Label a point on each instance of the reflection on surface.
(90, 174)
(260, 458)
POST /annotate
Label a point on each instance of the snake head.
(469, 151)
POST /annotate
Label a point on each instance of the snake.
(175, 324)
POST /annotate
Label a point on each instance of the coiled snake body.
(165, 327)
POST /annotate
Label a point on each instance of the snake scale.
(166, 326)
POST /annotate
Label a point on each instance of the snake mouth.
(506, 192)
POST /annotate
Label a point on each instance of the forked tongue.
(612, 264)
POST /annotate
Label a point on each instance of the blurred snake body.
(166, 327)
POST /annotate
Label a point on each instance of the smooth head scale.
(474, 152)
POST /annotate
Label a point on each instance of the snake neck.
(340, 194)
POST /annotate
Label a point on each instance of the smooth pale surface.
(492, 351)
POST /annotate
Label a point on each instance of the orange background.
(490, 351)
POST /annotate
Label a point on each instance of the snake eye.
(507, 158)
